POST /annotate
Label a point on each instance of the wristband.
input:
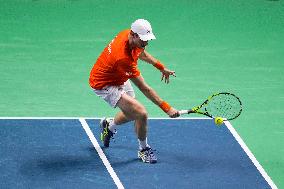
(159, 66)
(165, 106)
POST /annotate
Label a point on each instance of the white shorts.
(111, 94)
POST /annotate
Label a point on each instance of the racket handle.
(183, 112)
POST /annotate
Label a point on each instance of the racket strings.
(224, 105)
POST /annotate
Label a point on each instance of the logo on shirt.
(128, 73)
(109, 47)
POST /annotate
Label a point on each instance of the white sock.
(143, 144)
(112, 126)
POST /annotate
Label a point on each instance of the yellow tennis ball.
(218, 121)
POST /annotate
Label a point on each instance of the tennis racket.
(225, 105)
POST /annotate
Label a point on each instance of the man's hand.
(173, 113)
(166, 75)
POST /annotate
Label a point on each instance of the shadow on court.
(58, 154)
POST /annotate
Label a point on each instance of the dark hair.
(133, 33)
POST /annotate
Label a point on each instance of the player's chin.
(143, 46)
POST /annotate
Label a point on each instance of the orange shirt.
(116, 64)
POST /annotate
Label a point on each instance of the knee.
(142, 113)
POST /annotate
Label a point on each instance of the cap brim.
(147, 37)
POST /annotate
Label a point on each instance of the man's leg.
(134, 110)
(120, 118)
(131, 110)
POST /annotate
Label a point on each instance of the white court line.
(227, 123)
(36, 118)
(101, 153)
(250, 155)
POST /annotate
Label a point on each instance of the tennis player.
(109, 79)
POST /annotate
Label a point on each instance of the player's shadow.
(118, 160)
(53, 165)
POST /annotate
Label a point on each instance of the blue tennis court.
(57, 153)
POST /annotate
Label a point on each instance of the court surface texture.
(193, 153)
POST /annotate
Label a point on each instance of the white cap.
(143, 29)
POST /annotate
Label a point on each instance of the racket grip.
(183, 112)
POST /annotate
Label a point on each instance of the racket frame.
(197, 108)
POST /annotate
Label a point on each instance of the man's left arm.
(147, 57)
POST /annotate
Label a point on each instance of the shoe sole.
(144, 161)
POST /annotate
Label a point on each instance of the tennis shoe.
(106, 134)
(147, 155)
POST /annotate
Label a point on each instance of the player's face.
(143, 44)
(139, 43)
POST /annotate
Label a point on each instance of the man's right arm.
(152, 95)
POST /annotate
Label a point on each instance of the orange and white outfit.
(116, 64)
(109, 79)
